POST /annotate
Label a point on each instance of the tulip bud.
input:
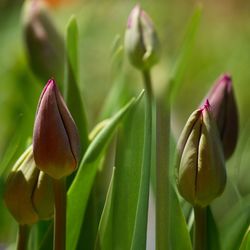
(201, 174)
(141, 41)
(225, 112)
(44, 45)
(56, 140)
(43, 196)
(27, 196)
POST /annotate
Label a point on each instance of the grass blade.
(81, 186)
(185, 52)
(72, 93)
(128, 163)
(105, 232)
(245, 244)
(140, 232)
(179, 234)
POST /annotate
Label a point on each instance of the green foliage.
(81, 186)
(97, 85)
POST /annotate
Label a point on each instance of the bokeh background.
(222, 44)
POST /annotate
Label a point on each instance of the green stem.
(60, 214)
(140, 231)
(200, 229)
(23, 237)
(162, 176)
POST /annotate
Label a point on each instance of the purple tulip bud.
(225, 112)
(201, 173)
(141, 41)
(44, 44)
(56, 142)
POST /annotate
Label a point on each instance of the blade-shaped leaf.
(141, 219)
(126, 182)
(105, 232)
(80, 189)
(245, 244)
(185, 52)
(72, 93)
(235, 224)
(212, 231)
(179, 235)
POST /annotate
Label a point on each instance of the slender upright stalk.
(60, 214)
(162, 175)
(139, 237)
(200, 228)
(23, 237)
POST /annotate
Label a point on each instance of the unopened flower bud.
(56, 142)
(43, 196)
(141, 41)
(44, 45)
(225, 112)
(201, 174)
(29, 197)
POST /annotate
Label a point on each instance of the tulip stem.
(60, 214)
(200, 229)
(23, 237)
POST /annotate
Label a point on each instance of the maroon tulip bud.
(44, 44)
(225, 112)
(56, 143)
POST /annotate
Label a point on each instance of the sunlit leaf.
(179, 235)
(245, 244)
(105, 232)
(72, 92)
(80, 189)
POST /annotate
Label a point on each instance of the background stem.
(23, 237)
(200, 233)
(162, 175)
(60, 214)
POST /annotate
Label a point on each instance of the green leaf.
(129, 157)
(245, 244)
(47, 241)
(213, 238)
(235, 224)
(72, 92)
(185, 53)
(179, 235)
(140, 232)
(105, 232)
(128, 163)
(80, 189)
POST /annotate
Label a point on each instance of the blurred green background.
(222, 44)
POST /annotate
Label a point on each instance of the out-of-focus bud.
(201, 174)
(225, 112)
(28, 197)
(44, 45)
(141, 41)
(43, 196)
(55, 139)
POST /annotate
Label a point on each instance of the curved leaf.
(79, 191)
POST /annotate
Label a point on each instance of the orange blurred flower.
(55, 3)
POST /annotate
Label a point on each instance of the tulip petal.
(54, 135)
